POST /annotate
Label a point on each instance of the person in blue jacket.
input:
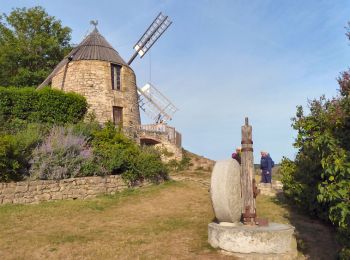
(266, 164)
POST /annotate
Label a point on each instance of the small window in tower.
(118, 116)
(115, 71)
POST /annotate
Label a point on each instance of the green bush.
(76, 150)
(183, 164)
(120, 155)
(148, 162)
(319, 179)
(15, 152)
(86, 129)
(9, 164)
(44, 106)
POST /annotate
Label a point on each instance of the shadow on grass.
(315, 239)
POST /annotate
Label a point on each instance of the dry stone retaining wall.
(46, 190)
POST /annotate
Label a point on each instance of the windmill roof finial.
(94, 23)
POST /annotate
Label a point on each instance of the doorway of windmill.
(148, 141)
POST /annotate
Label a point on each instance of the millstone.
(225, 191)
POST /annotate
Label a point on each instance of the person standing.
(266, 164)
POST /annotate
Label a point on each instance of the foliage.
(45, 106)
(64, 155)
(76, 150)
(148, 162)
(181, 165)
(319, 178)
(15, 152)
(86, 129)
(121, 155)
(9, 164)
(32, 43)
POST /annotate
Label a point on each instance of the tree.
(319, 178)
(32, 43)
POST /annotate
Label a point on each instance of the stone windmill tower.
(95, 70)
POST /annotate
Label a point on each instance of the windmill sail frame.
(151, 35)
(156, 105)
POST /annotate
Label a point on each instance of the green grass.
(155, 222)
(158, 221)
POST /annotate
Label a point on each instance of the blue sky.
(221, 61)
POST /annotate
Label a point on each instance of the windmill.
(155, 105)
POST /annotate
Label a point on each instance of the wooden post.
(247, 175)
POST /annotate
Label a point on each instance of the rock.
(21, 188)
(56, 196)
(225, 191)
(269, 189)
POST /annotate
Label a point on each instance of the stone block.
(91, 192)
(89, 197)
(43, 197)
(8, 190)
(31, 187)
(7, 201)
(238, 238)
(54, 187)
(19, 200)
(81, 181)
(56, 196)
(21, 188)
(11, 185)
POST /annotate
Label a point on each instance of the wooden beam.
(247, 175)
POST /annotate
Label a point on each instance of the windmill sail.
(157, 106)
(154, 31)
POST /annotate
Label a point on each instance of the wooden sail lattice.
(156, 105)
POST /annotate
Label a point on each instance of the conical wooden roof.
(95, 47)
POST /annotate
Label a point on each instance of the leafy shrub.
(86, 129)
(319, 179)
(15, 152)
(183, 164)
(45, 106)
(114, 149)
(9, 164)
(120, 155)
(148, 162)
(64, 155)
(12, 127)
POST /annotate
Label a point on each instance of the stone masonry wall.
(74, 188)
(163, 143)
(92, 79)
